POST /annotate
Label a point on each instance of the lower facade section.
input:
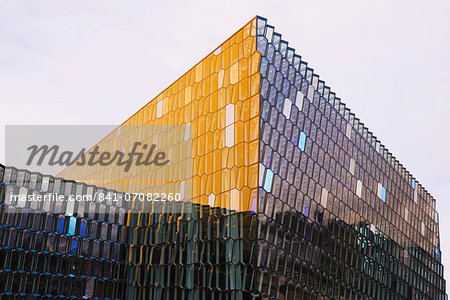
(197, 253)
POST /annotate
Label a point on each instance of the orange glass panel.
(224, 161)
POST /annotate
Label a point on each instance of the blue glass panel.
(302, 141)
(306, 210)
(254, 206)
(61, 225)
(268, 180)
(73, 248)
(83, 229)
(414, 184)
(72, 225)
(383, 194)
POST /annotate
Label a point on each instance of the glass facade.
(344, 219)
(293, 198)
(218, 100)
(49, 254)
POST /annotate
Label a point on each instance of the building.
(293, 197)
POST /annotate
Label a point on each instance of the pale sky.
(97, 62)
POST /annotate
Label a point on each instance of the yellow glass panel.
(234, 50)
(187, 95)
(239, 132)
(226, 179)
(225, 58)
(214, 82)
(217, 182)
(199, 72)
(235, 200)
(234, 73)
(240, 154)
(253, 152)
(243, 89)
(254, 129)
(255, 84)
(221, 98)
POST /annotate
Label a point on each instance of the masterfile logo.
(52, 149)
(53, 156)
